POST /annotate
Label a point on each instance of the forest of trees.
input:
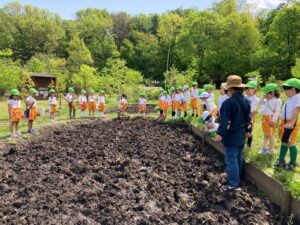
(119, 51)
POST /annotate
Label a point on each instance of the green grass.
(62, 115)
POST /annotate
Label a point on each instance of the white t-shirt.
(82, 99)
(271, 108)
(166, 98)
(211, 97)
(14, 104)
(92, 98)
(186, 96)
(142, 101)
(52, 101)
(123, 101)
(101, 99)
(179, 97)
(222, 99)
(194, 93)
(160, 97)
(70, 97)
(254, 102)
(291, 104)
(31, 100)
(210, 106)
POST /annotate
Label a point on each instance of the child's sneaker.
(263, 151)
(280, 163)
(18, 133)
(12, 135)
(269, 151)
(290, 167)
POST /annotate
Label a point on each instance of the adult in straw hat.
(235, 124)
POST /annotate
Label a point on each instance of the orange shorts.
(123, 106)
(142, 108)
(160, 104)
(194, 103)
(32, 114)
(16, 115)
(53, 109)
(293, 135)
(184, 106)
(72, 105)
(267, 129)
(165, 106)
(177, 105)
(101, 107)
(92, 106)
(83, 106)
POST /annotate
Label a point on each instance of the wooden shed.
(42, 82)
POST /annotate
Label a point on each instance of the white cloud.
(266, 4)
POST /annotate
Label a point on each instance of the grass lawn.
(62, 115)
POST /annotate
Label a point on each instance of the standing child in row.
(52, 104)
(166, 103)
(271, 105)
(31, 109)
(92, 103)
(14, 112)
(83, 103)
(178, 101)
(123, 104)
(101, 103)
(173, 103)
(142, 105)
(251, 88)
(194, 99)
(70, 98)
(289, 126)
(186, 96)
(201, 102)
(209, 89)
(160, 103)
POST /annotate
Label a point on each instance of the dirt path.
(121, 172)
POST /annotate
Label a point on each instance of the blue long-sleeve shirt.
(235, 120)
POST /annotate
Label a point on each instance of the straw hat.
(234, 81)
(223, 86)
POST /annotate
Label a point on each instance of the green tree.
(283, 39)
(86, 78)
(10, 75)
(121, 27)
(296, 69)
(78, 54)
(95, 27)
(28, 30)
(143, 53)
(26, 82)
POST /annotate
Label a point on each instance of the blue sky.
(68, 8)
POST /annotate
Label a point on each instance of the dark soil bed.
(122, 172)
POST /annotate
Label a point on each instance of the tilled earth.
(122, 172)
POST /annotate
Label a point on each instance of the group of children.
(15, 111)
(269, 105)
(85, 103)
